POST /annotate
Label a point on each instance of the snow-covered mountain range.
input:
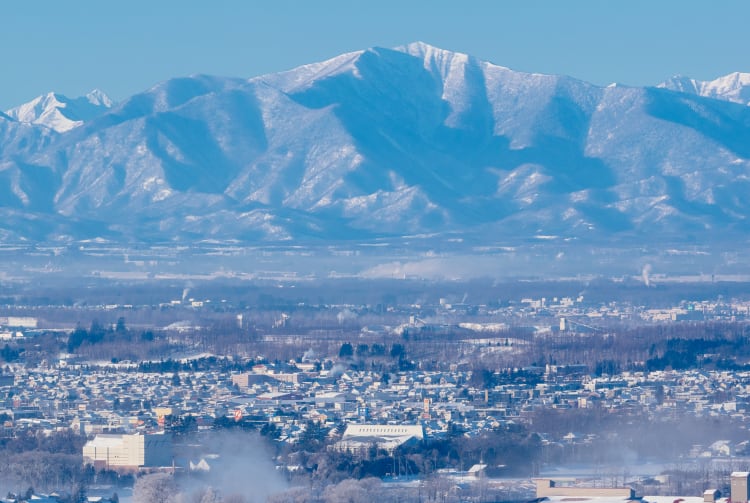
(381, 142)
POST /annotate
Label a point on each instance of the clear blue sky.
(124, 47)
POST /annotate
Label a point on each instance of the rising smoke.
(645, 272)
(240, 469)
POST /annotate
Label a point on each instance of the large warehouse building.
(360, 437)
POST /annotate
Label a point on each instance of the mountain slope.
(383, 142)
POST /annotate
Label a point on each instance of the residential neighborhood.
(97, 401)
(606, 392)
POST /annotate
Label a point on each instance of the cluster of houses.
(389, 409)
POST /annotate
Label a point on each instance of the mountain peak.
(427, 52)
(437, 58)
(43, 110)
(734, 87)
(302, 76)
(60, 113)
(422, 48)
(99, 98)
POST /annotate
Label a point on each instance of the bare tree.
(440, 489)
(235, 498)
(352, 491)
(155, 488)
(293, 495)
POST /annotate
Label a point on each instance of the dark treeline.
(676, 346)
(34, 461)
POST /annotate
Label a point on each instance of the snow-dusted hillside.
(412, 140)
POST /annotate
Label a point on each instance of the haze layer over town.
(335, 252)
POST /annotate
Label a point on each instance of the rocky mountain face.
(381, 142)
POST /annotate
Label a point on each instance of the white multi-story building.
(128, 452)
(20, 322)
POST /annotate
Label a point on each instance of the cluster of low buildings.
(578, 314)
(12, 327)
(559, 491)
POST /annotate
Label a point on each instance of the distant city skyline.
(124, 48)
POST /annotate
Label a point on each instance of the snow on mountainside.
(734, 87)
(380, 142)
(60, 113)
